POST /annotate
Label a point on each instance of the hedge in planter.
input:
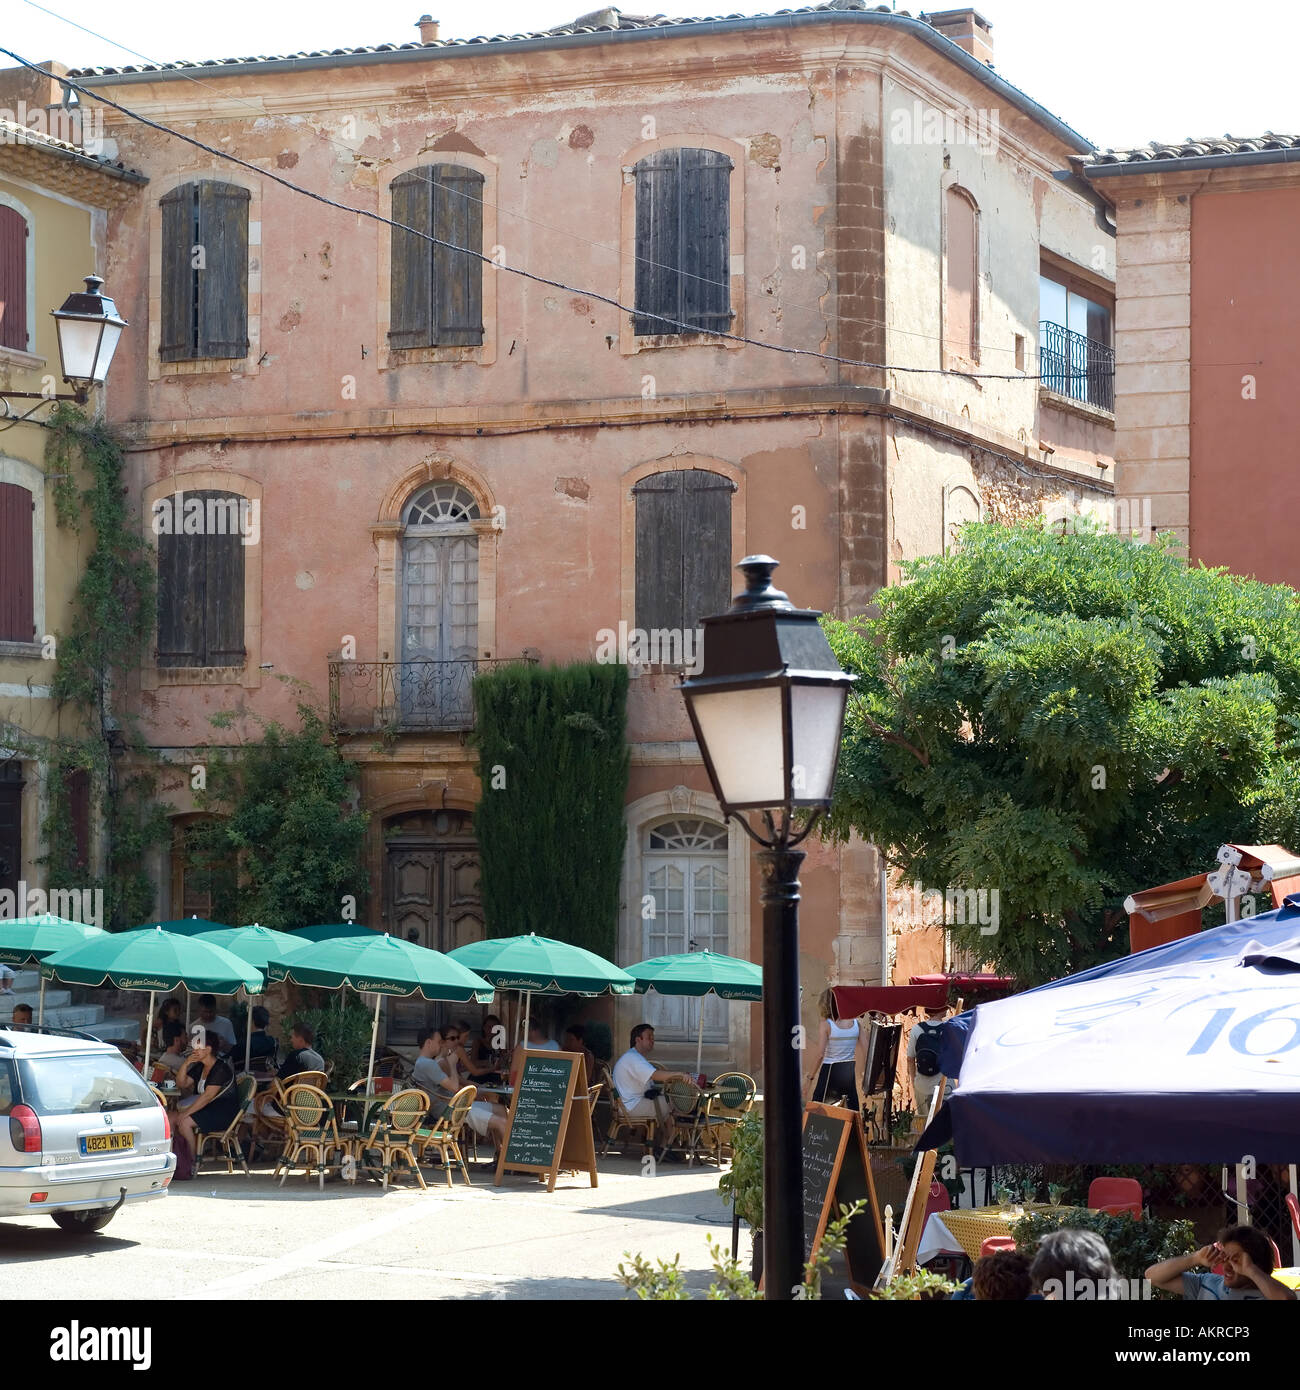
(553, 766)
(1135, 1244)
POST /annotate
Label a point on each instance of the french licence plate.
(106, 1143)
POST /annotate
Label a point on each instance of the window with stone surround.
(683, 251)
(201, 583)
(961, 279)
(15, 270)
(436, 286)
(17, 564)
(204, 272)
(683, 548)
(1075, 338)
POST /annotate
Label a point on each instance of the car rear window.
(6, 1087)
(81, 1084)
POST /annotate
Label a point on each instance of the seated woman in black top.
(213, 1080)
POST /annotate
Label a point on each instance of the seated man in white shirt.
(634, 1073)
(429, 1075)
(215, 1022)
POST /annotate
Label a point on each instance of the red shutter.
(17, 620)
(13, 279)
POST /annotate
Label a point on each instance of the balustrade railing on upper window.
(1076, 366)
(406, 696)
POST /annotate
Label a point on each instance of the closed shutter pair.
(436, 288)
(204, 272)
(201, 594)
(683, 548)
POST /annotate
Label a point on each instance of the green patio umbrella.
(331, 931)
(538, 965)
(258, 945)
(381, 964)
(25, 940)
(697, 973)
(184, 926)
(153, 960)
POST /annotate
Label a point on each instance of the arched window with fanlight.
(685, 866)
(438, 618)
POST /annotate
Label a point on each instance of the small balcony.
(407, 696)
(1071, 365)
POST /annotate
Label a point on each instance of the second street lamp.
(767, 709)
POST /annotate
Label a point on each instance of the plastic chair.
(937, 1199)
(1115, 1195)
(992, 1243)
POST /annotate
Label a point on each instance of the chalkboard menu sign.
(837, 1172)
(550, 1119)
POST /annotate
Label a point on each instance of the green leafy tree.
(553, 766)
(1065, 719)
(284, 811)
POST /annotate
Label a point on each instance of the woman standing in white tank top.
(837, 1069)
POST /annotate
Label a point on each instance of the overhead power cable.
(670, 323)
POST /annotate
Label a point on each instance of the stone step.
(54, 999)
(115, 1029)
(25, 978)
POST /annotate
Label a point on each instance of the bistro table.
(962, 1230)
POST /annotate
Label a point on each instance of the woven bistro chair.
(392, 1132)
(686, 1102)
(444, 1133)
(620, 1120)
(227, 1140)
(313, 1135)
(732, 1099)
(267, 1124)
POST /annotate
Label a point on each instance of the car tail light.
(38, 1196)
(24, 1130)
(167, 1124)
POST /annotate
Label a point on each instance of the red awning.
(964, 980)
(852, 1000)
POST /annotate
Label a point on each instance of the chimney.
(428, 27)
(967, 29)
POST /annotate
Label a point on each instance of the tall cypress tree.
(553, 763)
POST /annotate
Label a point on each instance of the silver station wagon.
(80, 1132)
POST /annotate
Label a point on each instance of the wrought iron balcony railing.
(406, 696)
(1075, 366)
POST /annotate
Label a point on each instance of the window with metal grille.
(436, 287)
(204, 272)
(683, 242)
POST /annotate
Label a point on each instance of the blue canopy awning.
(1186, 1053)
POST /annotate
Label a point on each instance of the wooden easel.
(551, 1130)
(839, 1176)
(913, 1221)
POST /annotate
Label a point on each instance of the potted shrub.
(742, 1184)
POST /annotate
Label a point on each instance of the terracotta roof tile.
(12, 133)
(1211, 145)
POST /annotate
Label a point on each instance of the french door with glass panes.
(685, 866)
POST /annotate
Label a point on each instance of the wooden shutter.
(411, 317)
(181, 600)
(17, 569)
(457, 276)
(706, 545)
(13, 279)
(222, 285)
(224, 593)
(11, 824)
(705, 239)
(76, 787)
(659, 513)
(658, 214)
(177, 334)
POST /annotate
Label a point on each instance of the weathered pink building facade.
(465, 486)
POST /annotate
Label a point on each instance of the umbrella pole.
(699, 1042)
(374, 1037)
(1295, 1236)
(528, 1004)
(40, 1017)
(148, 1038)
(248, 1031)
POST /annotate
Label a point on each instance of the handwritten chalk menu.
(837, 1172)
(550, 1118)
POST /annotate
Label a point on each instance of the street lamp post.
(88, 327)
(767, 708)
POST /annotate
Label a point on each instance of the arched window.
(685, 868)
(961, 278)
(683, 241)
(204, 272)
(436, 286)
(438, 618)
